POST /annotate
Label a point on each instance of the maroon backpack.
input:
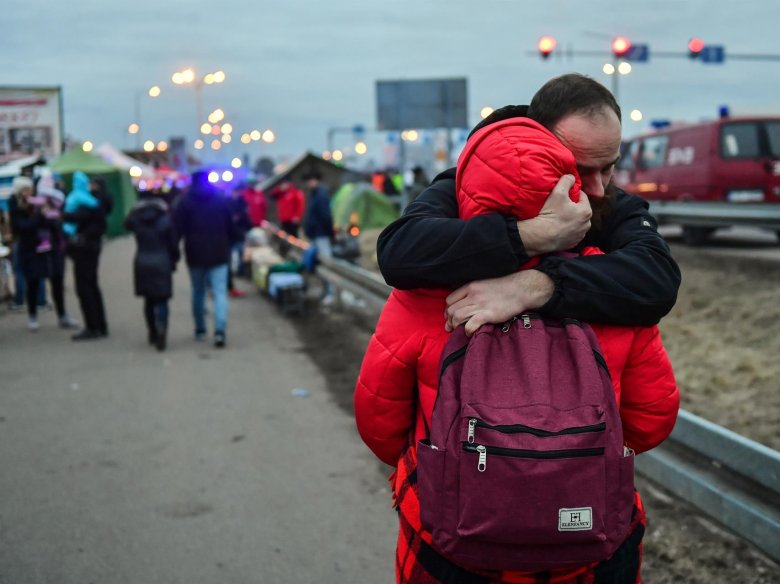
(525, 468)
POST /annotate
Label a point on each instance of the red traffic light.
(620, 46)
(546, 45)
(695, 47)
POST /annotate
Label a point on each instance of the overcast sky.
(301, 67)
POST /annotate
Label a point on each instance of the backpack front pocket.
(535, 482)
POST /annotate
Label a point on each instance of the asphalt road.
(119, 464)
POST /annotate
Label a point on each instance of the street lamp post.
(136, 126)
(188, 77)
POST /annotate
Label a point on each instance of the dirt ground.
(722, 337)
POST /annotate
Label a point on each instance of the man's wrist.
(539, 288)
(533, 234)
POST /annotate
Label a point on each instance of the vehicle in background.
(730, 160)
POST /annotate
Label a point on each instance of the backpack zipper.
(526, 318)
(483, 451)
(522, 429)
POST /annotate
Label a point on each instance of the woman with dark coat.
(35, 218)
(155, 261)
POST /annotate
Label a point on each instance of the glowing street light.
(236, 163)
(255, 135)
(216, 144)
(87, 146)
(162, 146)
(485, 111)
(216, 116)
(227, 128)
(199, 144)
(148, 146)
(269, 136)
(205, 128)
(361, 148)
(621, 68)
(246, 138)
(226, 139)
(636, 115)
(135, 171)
(133, 128)
(410, 135)
(337, 155)
(154, 91)
(189, 77)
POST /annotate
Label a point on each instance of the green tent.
(359, 204)
(117, 180)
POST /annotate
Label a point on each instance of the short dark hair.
(568, 94)
(500, 114)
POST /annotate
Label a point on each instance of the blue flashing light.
(723, 111)
(658, 124)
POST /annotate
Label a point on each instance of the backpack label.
(578, 519)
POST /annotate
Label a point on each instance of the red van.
(732, 159)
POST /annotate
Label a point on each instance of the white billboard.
(30, 122)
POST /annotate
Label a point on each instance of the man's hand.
(497, 300)
(560, 225)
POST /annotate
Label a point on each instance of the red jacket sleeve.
(386, 390)
(649, 399)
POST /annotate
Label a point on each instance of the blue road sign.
(638, 53)
(713, 54)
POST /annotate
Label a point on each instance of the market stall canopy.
(117, 180)
(116, 157)
(359, 204)
(76, 159)
(332, 174)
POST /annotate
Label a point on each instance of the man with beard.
(634, 283)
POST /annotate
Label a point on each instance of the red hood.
(510, 167)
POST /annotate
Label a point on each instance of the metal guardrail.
(715, 214)
(730, 478)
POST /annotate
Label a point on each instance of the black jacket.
(27, 224)
(319, 220)
(157, 249)
(635, 283)
(204, 219)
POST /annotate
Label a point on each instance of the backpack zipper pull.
(472, 428)
(526, 321)
(482, 462)
(508, 324)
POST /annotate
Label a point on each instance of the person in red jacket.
(289, 206)
(508, 167)
(256, 203)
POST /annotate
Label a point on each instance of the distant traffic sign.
(638, 53)
(713, 54)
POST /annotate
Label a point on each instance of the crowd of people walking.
(49, 223)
